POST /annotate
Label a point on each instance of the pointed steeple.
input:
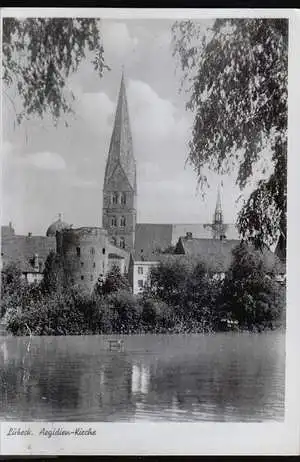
(121, 148)
(218, 217)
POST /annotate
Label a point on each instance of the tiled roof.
(214, 253)
(217, 254)
(22, 249)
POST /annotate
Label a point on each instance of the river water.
(228, 377)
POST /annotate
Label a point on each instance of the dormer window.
(122, 222)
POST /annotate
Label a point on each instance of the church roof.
(121, 147)
(151, 237)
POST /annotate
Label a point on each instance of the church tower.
(119, 189)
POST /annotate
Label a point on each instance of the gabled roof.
(121, 147)
(214, 253)
(217, 254)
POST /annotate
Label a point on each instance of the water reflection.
(222, 378)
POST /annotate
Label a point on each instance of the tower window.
(122, 242)
(122, 222)
(113, 221)
(78, 251)
(115, 198)
(123, 198)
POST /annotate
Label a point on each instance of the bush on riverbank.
(180, 298)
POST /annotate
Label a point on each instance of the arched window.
(113, 221)
(115, 197)
(123, 198)
(122, 222)
(122, 242)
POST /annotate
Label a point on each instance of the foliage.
(113, 282)
(236, 72)
(39, 55)
(250, 294)
(53, 273)
(187, 289)
(181, 297)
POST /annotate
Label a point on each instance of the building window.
(115, 198)
(92, 277)
(140, 270)
(113, 221)
(114, 240)
(82, 277)
(81, 263)
(92, 251)
(78, 251)
(94, 265)
(123, 198)
(103, 251)
(122, 222)
(122, 242)
(140, 283)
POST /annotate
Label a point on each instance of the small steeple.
(121, 148)
(218, 217)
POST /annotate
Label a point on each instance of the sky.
(48, 170)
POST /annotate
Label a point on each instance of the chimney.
(189, 235)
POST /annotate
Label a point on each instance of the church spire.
(121, 148)
(119, 189)
(218, 217)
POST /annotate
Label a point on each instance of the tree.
(53, 275)
(237, 77)
(113, 282)
(39, 54)
(250, 293)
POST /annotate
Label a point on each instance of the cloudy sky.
(49, 170)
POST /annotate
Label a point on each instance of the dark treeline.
(179, 298)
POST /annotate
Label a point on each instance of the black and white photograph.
(144, 219)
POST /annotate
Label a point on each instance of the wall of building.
(85, 255)
(140, 274)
